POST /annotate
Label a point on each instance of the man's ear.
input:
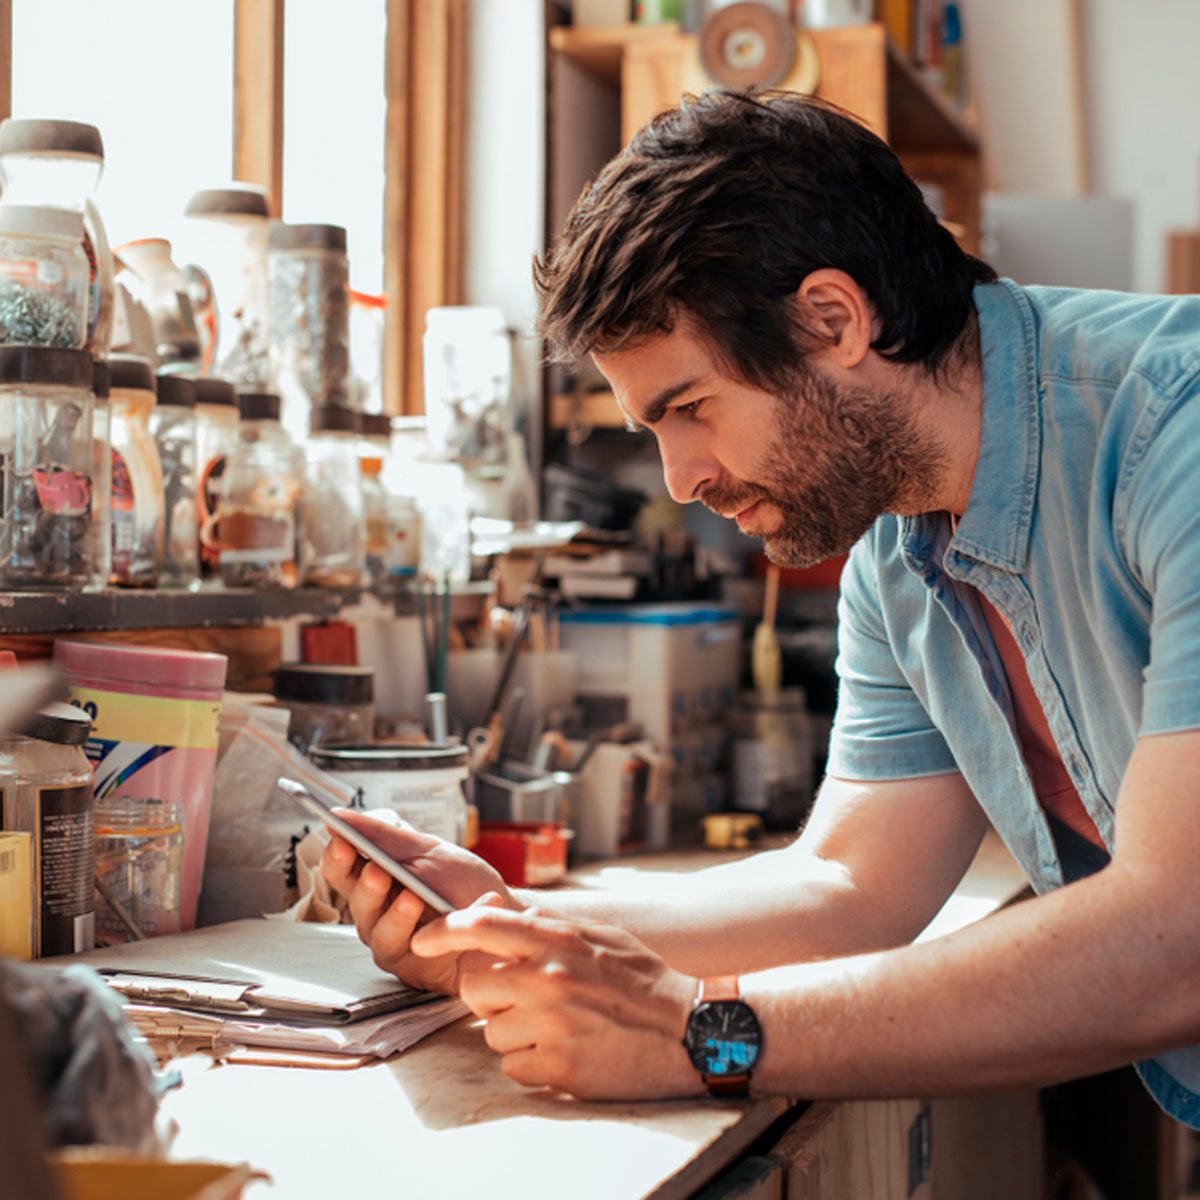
(832, 304)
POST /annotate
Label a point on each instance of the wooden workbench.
(442, 1121)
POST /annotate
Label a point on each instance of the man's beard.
(838, 459)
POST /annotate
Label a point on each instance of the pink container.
(154, 732)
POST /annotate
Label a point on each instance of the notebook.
(298, 972)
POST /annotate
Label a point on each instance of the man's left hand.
(583, 1008)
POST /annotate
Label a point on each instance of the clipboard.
(297, 972)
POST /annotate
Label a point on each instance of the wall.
(505, 179)
(1142, 90)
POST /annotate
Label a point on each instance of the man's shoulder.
(1105, 338)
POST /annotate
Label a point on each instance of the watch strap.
(713, 989)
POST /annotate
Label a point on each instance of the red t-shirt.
(1051, 781)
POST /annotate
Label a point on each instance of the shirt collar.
(995, 526)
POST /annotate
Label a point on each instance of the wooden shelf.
(601, 49)
(598, 410)
(114, 609)
(921, 118)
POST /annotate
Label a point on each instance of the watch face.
(723, 1038)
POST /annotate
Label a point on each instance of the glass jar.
(376, 431)
(468, 372)
(46, 790)
(260, 491)
(45, 468)
(227, 236)
(332, 541)
(328, 704)
(43, 277)
(137, 484)
(139, 868)
(59, 163)
(773, 757)
(157, 281)
(216, 433)
(173, 427)
(309, 319)
(100, 534)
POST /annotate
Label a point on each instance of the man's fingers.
(497, 931)
(368, 899)
(394, 928)
(341, 864)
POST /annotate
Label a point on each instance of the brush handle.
(771, 596)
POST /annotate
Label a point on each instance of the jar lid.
(383, 756)
(259, 406)
(212, 390)
(46, 364)
(233, 200)
(131, 371)
(334, 418)
(62, 724)
(141, 667)
(307, 237)
(376, 425)
(101, 380)
(23, 136)
(42, 220)
(176, 391)
(317, 683)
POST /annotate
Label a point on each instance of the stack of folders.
(270, 991)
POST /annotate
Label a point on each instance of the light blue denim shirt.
(1083, 530)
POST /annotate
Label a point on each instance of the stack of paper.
(290, 986)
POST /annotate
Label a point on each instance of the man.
(1016, 470)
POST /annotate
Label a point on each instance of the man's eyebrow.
(657, 407)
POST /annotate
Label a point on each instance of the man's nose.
(687, 467)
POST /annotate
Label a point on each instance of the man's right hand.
(386, 915)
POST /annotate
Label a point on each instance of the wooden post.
(258, 97)
(395, 205)
(6, 58)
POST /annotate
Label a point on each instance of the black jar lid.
(21, 136)
(101, 380)
(131, 371)
(62, 724)
(316, 683)
(376, 425)
(212, 390)
(307, 237)
(236, 200)
(176, 391)
(46, 364)
(259, 406)
(385, 756)
(334, 418)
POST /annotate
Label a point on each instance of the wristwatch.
(723, 1037)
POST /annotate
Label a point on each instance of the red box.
(526, 853)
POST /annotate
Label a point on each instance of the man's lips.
(746, 515)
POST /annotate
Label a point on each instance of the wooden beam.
(395, 204)
(258, 96)
(6, 58)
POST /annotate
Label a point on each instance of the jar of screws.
(43, 277)
(45, 468)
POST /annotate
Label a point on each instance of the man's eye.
(690, 409)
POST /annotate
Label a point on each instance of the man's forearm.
(1068, 984)
(777, 907)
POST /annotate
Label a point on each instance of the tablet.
(363, 844)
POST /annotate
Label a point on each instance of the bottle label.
(124, 518)
(64, 863)
(208, 499)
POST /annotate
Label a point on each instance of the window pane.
(156, 77)
(334, 114)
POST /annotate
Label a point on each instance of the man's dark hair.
(717, 211)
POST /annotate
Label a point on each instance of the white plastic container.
(423, 784)
(669, 667)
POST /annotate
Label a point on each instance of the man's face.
(808, 472)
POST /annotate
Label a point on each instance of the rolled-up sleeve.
(881, 730)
